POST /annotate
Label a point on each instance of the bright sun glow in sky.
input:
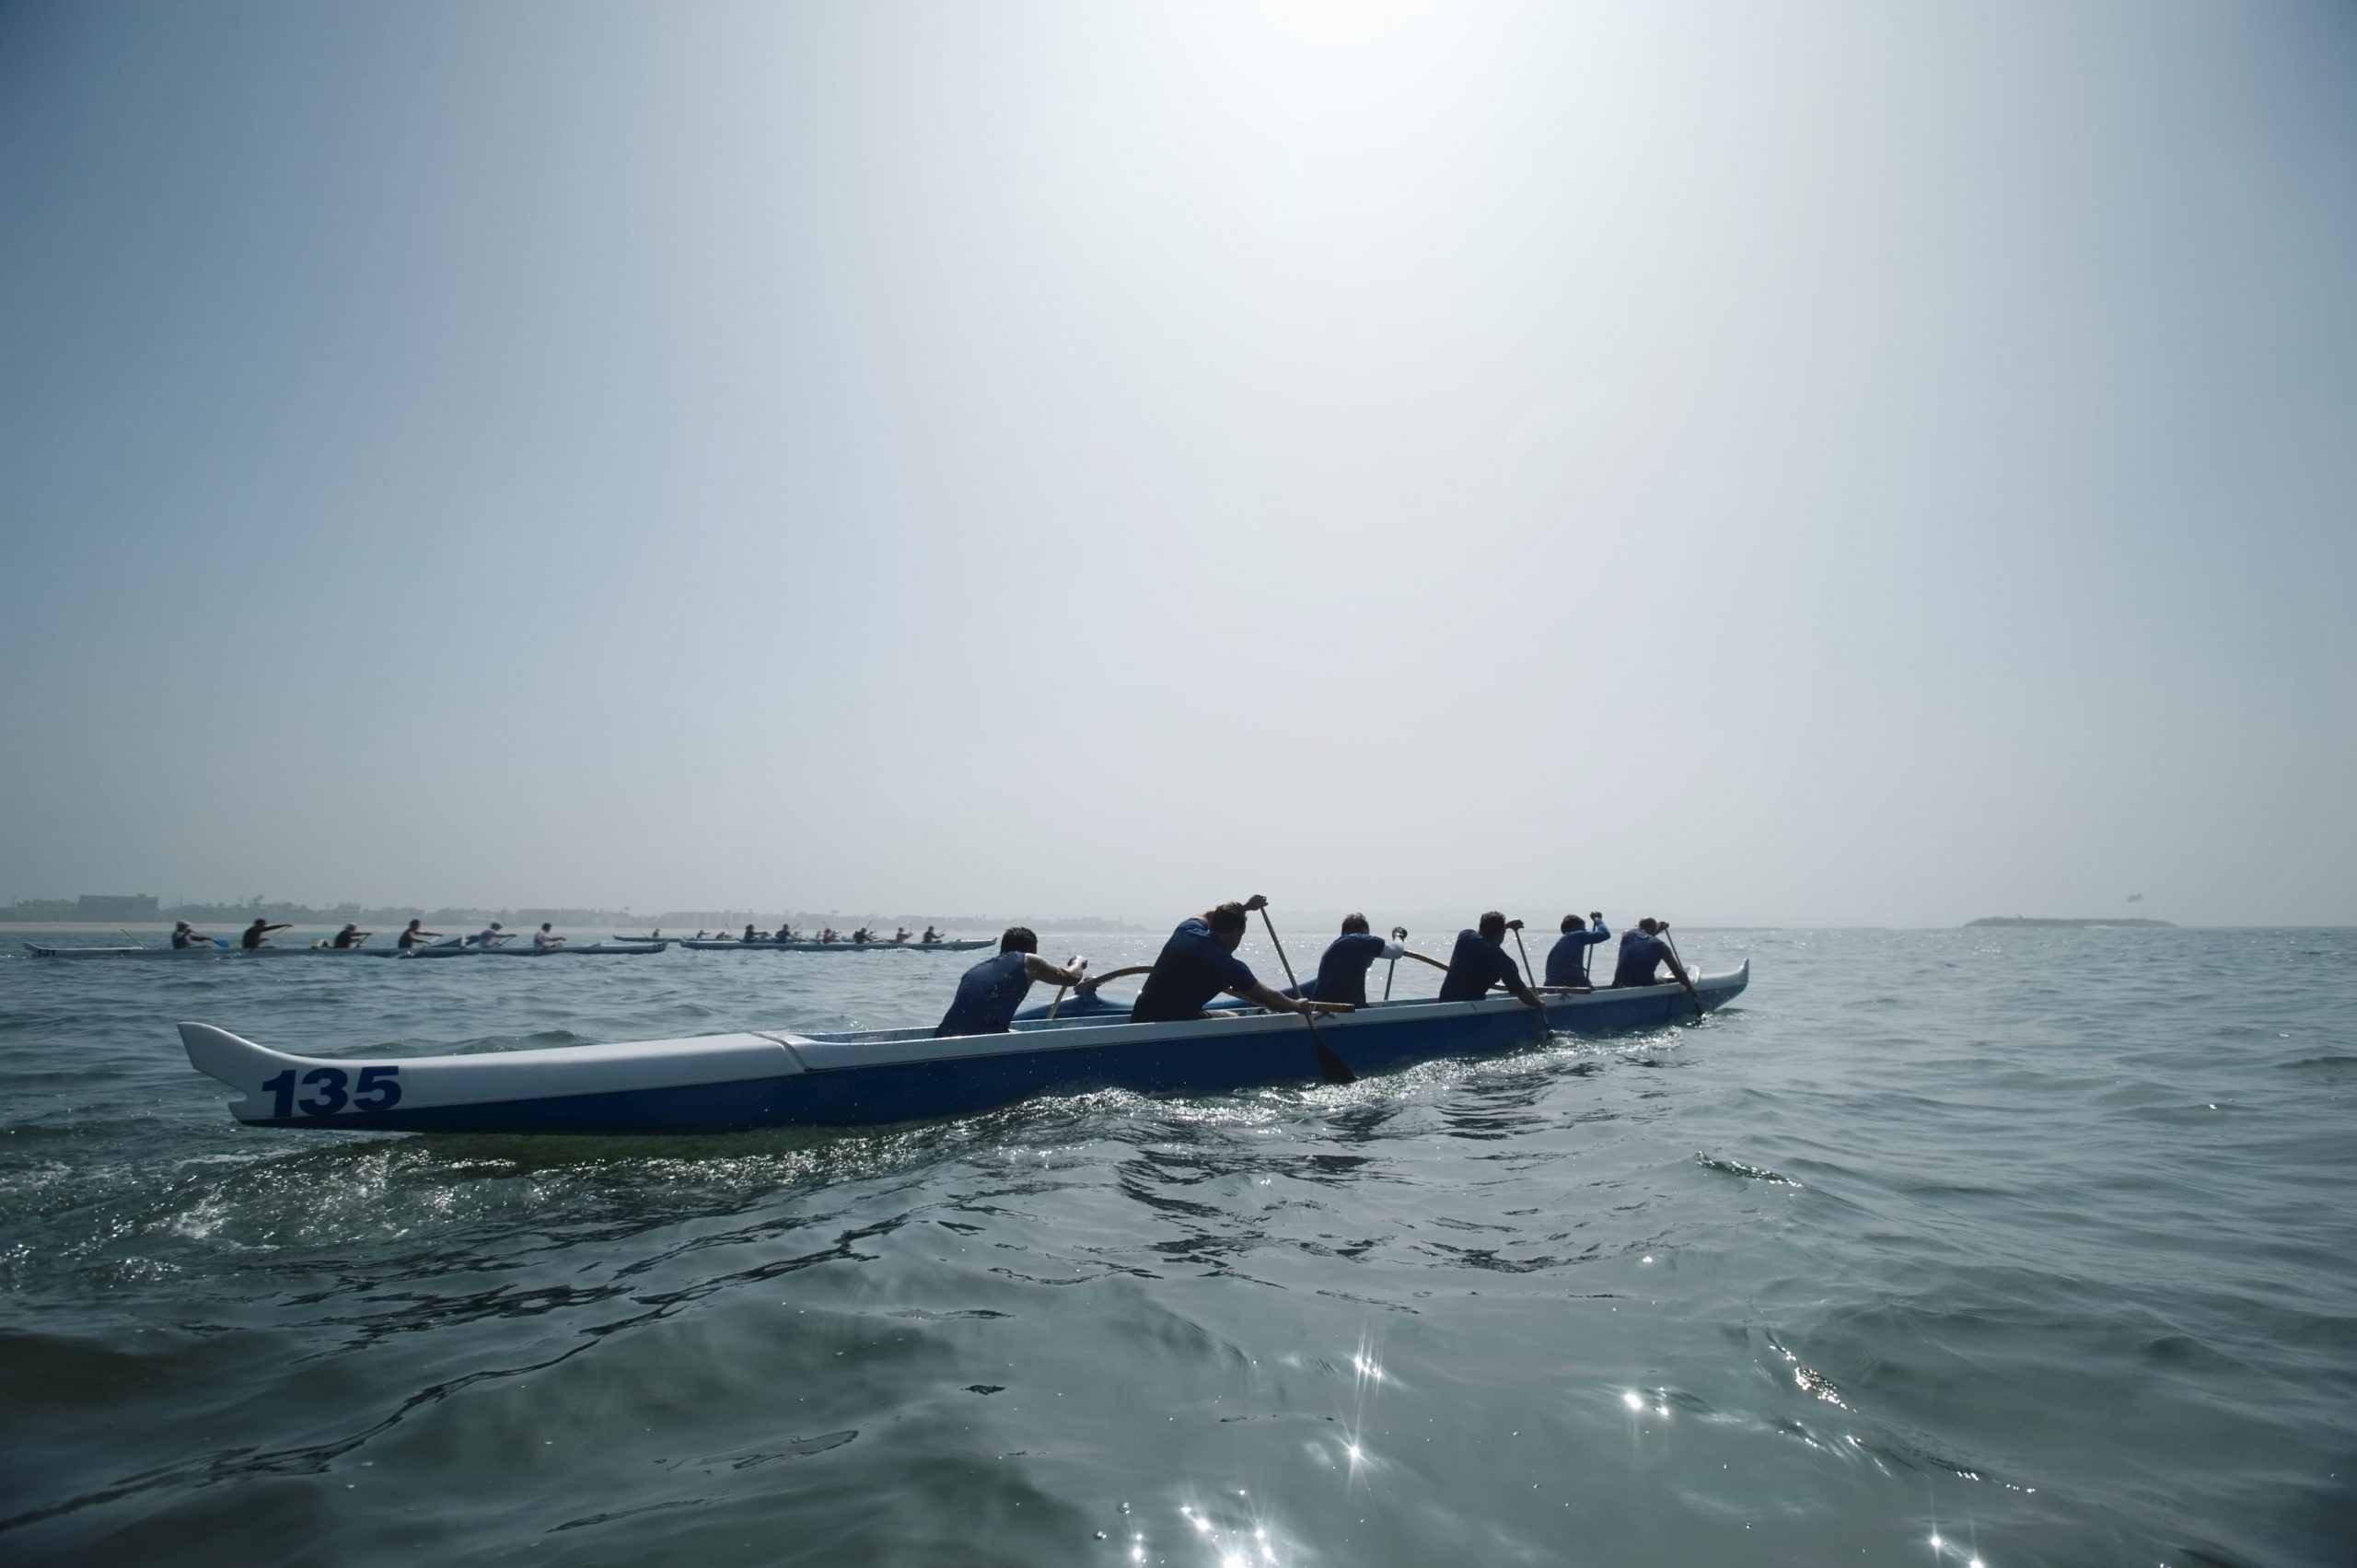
(1822, 463)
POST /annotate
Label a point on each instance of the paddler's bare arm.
(1039, 969)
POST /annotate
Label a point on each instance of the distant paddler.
(1567, 959)
(1199, 962)
(412, 936)
(1643, 950)
(988, 993)
(1480, 962)
(492, 935)
(258, 933)
(187, 936)
(900, 937)
(784, 934)
(1342, 969)
(750, 936)
(351, 935)
(546, 940)
(930, 935)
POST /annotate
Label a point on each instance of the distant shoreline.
(2044, 920)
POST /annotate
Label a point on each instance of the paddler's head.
(1228, 925)
(1019, 939)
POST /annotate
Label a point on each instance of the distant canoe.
(730, 1082)
(524, 950)
(435, 950)
(207, 951)
(731, 945)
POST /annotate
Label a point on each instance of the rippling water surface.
(1939, 1246)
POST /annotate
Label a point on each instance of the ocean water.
(1938, 1247)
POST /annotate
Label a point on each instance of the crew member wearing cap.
(1200, 961)
(1567, 959)
(988, 993)
(187, 936)
(1482, 962)
(1644, 948)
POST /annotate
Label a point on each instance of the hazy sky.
(1795, 463)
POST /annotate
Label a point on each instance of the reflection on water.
(1814, 1284)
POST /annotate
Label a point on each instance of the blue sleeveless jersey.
(1476, 966)
(1195, 966)
(1342, 973)
(987, 997)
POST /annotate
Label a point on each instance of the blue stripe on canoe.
(921, 1090)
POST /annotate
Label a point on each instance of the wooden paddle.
(1528, 978)
(1332, 1068)
(1685, 975)
(1060, 990)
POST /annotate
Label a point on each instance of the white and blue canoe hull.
(733, 1082)
(732, 945)
(435, 950)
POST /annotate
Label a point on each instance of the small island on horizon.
(2041, 920)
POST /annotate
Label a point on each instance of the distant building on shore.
(94, 907)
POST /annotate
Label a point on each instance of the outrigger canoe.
(437, 950)
(732, 945)
(729, 1083)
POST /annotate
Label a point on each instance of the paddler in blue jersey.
(1342, 969)
(1482, 962)
(1642, 950)
(990, 993)
(1567, 959)
(1199, 962)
